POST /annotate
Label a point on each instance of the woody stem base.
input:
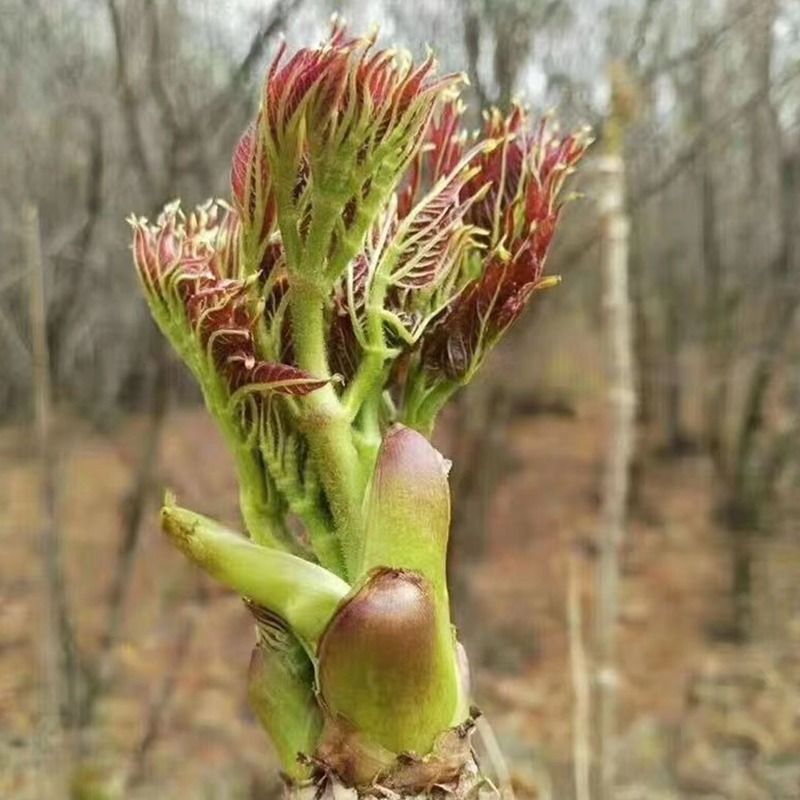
(468, 783)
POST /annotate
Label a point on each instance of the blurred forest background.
(114, 106)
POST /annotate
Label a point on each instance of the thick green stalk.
(325, 423)
(264, 522)
(261, 509)
(369, 377)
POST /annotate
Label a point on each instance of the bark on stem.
(467, 782)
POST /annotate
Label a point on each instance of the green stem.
(369, 437)
(367, 380)
(325, 423)
(323, 539)
(262, 509)
(264, 522)
(423, 405)
(369, 377)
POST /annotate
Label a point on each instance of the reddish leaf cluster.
(443, 149)
(503, 168)
(345, 84)
(194, 264)
(290, 85)
(511, 194)
(456, 257)
(251, 183)
(432, 231)
(413, 254)
(520, 210)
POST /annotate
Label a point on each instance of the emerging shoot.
(370, 256)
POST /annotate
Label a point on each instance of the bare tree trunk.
(621, 404)
(675, 436)
(756, 459)
(715, 339)
(648, 386)
(57, 640)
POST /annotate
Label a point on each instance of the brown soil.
(545, 513)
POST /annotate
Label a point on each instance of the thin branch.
(687, 156)
(169, 117)
(136, 501)
(93, 201)
(702, 48)
(191, 152)
(128, 101)
(219, 107)
(133, 514)
(472, 44)
(159, 705)
(58, 641)
(761, 379)
(79, 236)
(579, 670)
(21, 363)
(496, 758)
(643, 25)
(784, 306)
(678, 165)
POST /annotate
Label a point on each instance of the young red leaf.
(194, 282)
(521, 208)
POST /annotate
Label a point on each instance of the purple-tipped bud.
(386, 665)
(408, 519)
